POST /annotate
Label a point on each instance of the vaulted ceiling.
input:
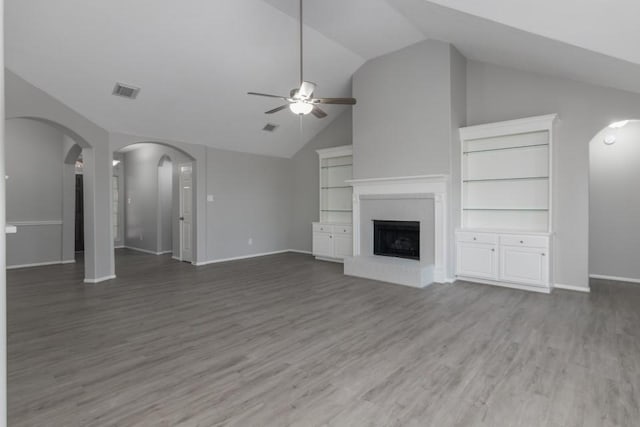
(196, 59)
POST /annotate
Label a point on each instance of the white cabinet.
(332, 235)
(477, 260)
(524, 265)
(322, 245)
(516, 260)
(332, 242)
(506, 198)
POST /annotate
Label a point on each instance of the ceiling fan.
(300, 100)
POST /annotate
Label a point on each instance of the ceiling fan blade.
(341, 101)
(317, 111)
(275, 110)
(267, 95)
(306, 90)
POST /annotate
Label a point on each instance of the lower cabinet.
(504, 259)
(477, 260)
(524, 265)
(332, 241)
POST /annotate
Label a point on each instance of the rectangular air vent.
(126, 91)
(269, 127)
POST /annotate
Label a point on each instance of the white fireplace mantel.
(435, 186)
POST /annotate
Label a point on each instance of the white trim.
(616, 278)
(119, 247)
(146, 251)
(68, 261)
(35, 223)
(99, 279)
(176, 258)
(35, 264)
(215, 261)
(571, 288)
(542, 290)
(10, 229)
(343, 150)
(298, 251)
(416, 179)
(509, 127)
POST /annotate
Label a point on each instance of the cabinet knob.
(475, 238)
(543, 254)
(521, 241)
(331, 237)
(493, 250)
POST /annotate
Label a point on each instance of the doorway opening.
(153, 201)
(614, 204)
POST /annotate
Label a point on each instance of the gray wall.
(24, 100)
(305, 179)
(497, 93)
(34, 191)
(402, 122)
(252, 200)
(614, 203)
(165, 206)
(143, 198)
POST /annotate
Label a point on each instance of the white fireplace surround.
(434, 186)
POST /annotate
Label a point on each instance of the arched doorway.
(156, 200)
(614, 202)
(41, 192)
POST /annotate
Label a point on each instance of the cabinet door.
(477, 260)
(524, 265)
(343, 245)
(322, 245)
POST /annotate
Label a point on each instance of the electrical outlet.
(210, 198)
(250, 242)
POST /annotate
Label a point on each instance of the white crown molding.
(509, 127)
(343, 150)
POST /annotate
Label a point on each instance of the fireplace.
(399, 239)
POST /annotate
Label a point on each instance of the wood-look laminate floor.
(286, 340)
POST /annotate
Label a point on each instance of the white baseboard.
(68, 261)
(571, 288)
(215, 261)
(99, 279)
(39, 264)
(530, 288)
(298, 251)
(616, 278)
(119, 247)
(176, 258)
(147, 251)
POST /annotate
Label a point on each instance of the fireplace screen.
(396, 239)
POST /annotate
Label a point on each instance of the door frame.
(181, 209)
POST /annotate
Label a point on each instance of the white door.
(477, 260)
(186, 212)
(524, 265)
(322, 245)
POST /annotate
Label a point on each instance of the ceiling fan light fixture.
(301, 108)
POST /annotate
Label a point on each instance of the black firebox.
(396, 239)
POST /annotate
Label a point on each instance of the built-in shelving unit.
(506, 178)
(506, 215)
(336, 167)
(332, 234)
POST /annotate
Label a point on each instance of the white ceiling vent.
(126, 91)
(269, 127)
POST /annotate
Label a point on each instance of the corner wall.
(497, 93)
